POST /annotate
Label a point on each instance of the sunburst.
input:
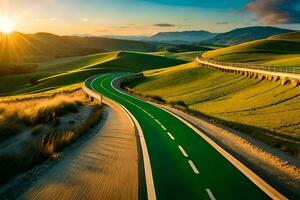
(6, 25)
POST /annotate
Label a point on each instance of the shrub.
(33, 80)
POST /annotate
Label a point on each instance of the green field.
(187, 56)
(281, 50)
(264, 109)
(73, 70)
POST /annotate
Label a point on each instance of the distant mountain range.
(241, 35)
(182, 37)
(20, 47)
(233, 37)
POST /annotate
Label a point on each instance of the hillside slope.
(68, 71)
(262, 109)
(276, 50)
(21, 47)
(241, 35)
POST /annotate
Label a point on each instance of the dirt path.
(104, 167)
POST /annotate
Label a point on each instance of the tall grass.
(36, 111)
(53, 142)
(44, 143)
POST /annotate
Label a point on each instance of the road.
(184, 165)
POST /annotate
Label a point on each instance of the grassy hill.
(241, 35)
(275, 50)
(186, 56)
(54, 74)
(263, 109)
(20, 48)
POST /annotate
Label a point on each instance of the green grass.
(269, 111)
(277, 50)
(69, 71)
(187, 56)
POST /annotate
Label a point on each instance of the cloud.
(85, 19)
(276, 11)
(164, 25)
(222, 23)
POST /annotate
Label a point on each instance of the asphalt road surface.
(184, 165)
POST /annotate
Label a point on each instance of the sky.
(147, 17)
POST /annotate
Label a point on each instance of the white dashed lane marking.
(194, 168)
(171, 136)
(183, 151)
(210, 194)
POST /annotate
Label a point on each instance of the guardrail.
(269, 68)
(263, 72)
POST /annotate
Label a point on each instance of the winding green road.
(184, 165)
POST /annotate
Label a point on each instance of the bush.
(157, 98)
(33, 80)
(179, 103)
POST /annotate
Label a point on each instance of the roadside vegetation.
(263, 109)
(34, 130)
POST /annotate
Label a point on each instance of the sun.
(6, 25)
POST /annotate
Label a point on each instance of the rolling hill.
(62, 72)
(20, 47)
(263, 109)
(276, 50)
(241, 35)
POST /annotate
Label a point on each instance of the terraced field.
(263, 109)
(278, 50)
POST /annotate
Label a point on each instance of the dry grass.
(53, 142)
(36, 111)
(42, 116)
(33, 110)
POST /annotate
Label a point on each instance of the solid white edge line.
(210, 194)
(147, 165)
(171, 136)
(158, 121)
(183, 151)
(259, 182)
(194, 168)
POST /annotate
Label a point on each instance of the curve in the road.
(183, 165)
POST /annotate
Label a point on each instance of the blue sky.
(144, 17)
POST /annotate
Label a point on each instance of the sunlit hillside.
(263, 109)
(67, 71)
(19, 47)
(275, 50)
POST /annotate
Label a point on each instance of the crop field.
(278, 50)
(263, 109)
(69, 71)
